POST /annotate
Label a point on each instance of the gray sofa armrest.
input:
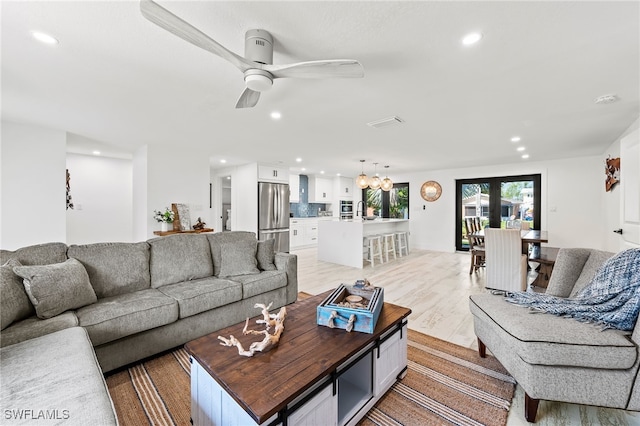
(289, 263)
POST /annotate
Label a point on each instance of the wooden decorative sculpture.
(612, 170)
(69, 201)
(270, 340)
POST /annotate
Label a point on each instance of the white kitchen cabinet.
(320, 190)
(273, 174)
(296, 233)
(311, 232)
(294, 188)
(303, 232)
(343, 188)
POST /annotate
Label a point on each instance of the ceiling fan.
(257, 64)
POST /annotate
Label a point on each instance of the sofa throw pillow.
(15, 304)
(266, 255)
(56, 288)
(238, 258)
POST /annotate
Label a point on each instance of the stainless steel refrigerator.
(273, 214)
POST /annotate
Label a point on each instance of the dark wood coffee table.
(315, 372)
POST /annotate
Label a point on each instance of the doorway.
(225, 186)
(497, 201)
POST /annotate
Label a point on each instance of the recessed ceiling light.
(471, 38)
(321, 172)
(303, 169)
(521, 148)
(298, 159)
(96, 152)
(337, 174)
(276, 115)
(223, 161)
(228, 177)
(515, 139)
(44, 38)
(525, 156)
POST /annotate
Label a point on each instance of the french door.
(496, 201)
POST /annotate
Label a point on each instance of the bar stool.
(374, 248)
(389, 245)
(402, 243)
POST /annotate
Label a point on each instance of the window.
(388, 204)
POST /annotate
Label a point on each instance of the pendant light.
(375, 182)
(362, 181)
(386, 184)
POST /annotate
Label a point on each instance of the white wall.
(168, 175)
(101, 188)
(572, 188)
(33, 185)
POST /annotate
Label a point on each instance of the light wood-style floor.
(436, 286)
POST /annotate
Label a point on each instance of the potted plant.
(165, 218)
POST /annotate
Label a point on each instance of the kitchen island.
(342, 241)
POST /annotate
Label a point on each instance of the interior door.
(630, 190)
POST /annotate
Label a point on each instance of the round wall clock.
(430, 190)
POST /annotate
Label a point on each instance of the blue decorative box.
(351, 307)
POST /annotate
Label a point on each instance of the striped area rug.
(445, 384)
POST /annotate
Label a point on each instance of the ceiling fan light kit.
(257, 64)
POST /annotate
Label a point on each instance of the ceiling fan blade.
(339, 68)
(175, 25)
(248, 99)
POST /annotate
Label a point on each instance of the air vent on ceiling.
(385, 122)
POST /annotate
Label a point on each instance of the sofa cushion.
(56, 288)
(217, 239)
(40, 254)
(253, 285)
(114, 268)
(33, 327)
(57, 373)
(238, 258)
(14, 302)
(178, 258)
(596, 259)
(266, 255)
(566, 270)
(202, 295)
(115, 317)
(545, 339)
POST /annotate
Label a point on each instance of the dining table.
(545, 256)
(529, 236)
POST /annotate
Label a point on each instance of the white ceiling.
(118, 79)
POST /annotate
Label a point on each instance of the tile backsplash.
(304, 208)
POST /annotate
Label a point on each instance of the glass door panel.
(497, 202)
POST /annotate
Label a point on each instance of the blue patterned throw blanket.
(611, 298)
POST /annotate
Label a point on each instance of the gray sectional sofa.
(71, 313)
(556, 358)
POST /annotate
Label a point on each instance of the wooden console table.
(316, 374)
(546, 257)
(192, 231)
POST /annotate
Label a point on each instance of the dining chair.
(506, 265)
(476, 245)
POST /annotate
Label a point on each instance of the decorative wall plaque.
(431, 190)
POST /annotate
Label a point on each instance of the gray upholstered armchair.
(556, 358)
